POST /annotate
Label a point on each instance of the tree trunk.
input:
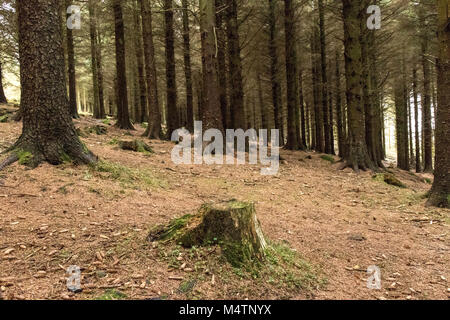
(142, 103)
(319, 142)
(123, 118)
(324, 83)
(440, 192)
(211, 114)
(426, 109)
(401, 126)
(339, 115)
(276, 86)
(187, 68)
(48, 133)
(171, 81)
(71, 68)
(235, 66)
(2, 93)
(154, 114)
(233, 225)
(291, 76)
(221, 63)
(416, 122)
(93, 35)
(357, 156)
(302, 109)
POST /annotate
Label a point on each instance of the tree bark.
(2, 93)
(187, 67)
(291, 76)
(440, 192)
(123, 118)
(237, 110)
(274, 77)
(426, 109)
(357, 156)
(173, 121)
(221, 63)
(339, 115)
(154, 114)
(416, 122)
(142, 102)
(211, 114)
(71, 68)
(48, 133)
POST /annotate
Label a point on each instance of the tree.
(291, 76)
(171, 81)
(139, 55)
(123, 118)
(276, 86)
(211, 115)
(416, 122)
(48, 133)
(357, 156)
(71, 69)
(154, 114)
(221, 63)
(339, 111)
(440, 192)
(187, 67)
(2, 93)
(235, 66)
(93, 35)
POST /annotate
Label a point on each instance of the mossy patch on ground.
(128, 177)
(328, 158)
(112, 294)
(390, 179)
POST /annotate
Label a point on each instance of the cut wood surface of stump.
(232, 225)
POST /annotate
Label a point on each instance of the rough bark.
(274, 77)
(93, 36)
(401, 126)
(187, 67)
(211, 114)
(171, 83)
(71, 68)
(237, 110)
(440, 192)
(221, 63)
(357, 156)
(339, 112)
(139, 55)
(123, 118)
(426, 109)
(2, 93)
(48, 133)
(154, 114)
(416, 122)
(292, 142)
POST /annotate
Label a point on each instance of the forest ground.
(340, 222)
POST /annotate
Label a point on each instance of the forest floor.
(339, 222)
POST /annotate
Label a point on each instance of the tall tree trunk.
(401, 126)
(237, 110)
(171, 81)
(211, 115)
(2, 93)
(154, 114)
(339, 115)
(48, 133)
(139, 53)
(357, 156)
(291, 76)
(416, 122)
(440, 192)
(187, 67)
(101, 96)
(426, 109)
(71, 69)
(93, 35)
(323, 63)
(123, 117)
(302, 109)
(221, 63)
(319, 143)
(274, 77)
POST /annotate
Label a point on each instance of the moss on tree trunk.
(232, 225)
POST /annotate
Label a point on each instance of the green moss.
(113, 141)
(327, 157)
(106, 121)
(25, 157)
(128, 177)
(390, 179)
(171, 231)
(65, 158)
(112, 294)
(427, 180)
(4, 118)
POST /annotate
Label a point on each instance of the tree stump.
(135, 145)
(232, 225)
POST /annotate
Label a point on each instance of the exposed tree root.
(9, 161)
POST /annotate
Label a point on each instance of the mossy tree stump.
(232, 225)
